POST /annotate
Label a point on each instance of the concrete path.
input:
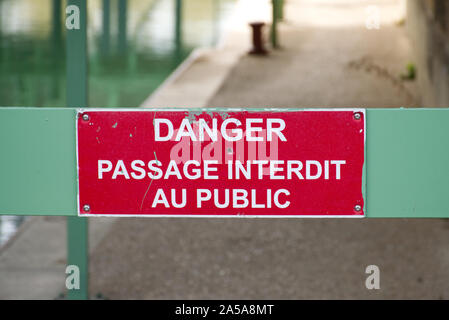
(33, 262)
(328, 59)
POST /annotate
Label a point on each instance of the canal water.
(134, 45)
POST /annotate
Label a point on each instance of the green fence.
(407, 162)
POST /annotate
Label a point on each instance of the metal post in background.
(274, 24)
(106, 37)
(77, 228)
(56, 20)
(280, 12)
(57, 48)
(178, 24)
(122, 25)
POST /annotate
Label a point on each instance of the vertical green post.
(280, 12)
(56, 19)
(106, 36)
(274, 31)
(77, 228)
(122, 25)
(178, 24)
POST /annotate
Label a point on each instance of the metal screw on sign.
(357, 116)
(85, 117)
(358, 208)
(86, 208)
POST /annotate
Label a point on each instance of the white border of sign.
(80, 111)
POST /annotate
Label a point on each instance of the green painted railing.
(407, 162)
(276, 11)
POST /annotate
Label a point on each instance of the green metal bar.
(77, 228)
(56, 19)
(37, 162)
(280, 11)
(407, 162)
(122, 25)
(78, 255)
(178, 24)
(106, 36)
(274, 24)
(77, 60)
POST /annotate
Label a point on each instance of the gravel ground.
(328, 58)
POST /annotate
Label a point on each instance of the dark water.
(133, 46)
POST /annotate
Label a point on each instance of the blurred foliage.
(410, 75)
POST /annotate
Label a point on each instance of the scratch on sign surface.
(151, 182)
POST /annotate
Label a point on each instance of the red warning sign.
(273, 163)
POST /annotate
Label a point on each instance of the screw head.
(358, 208)
(357, 116)
(85, 117)
(86, 208)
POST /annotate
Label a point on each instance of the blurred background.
(133, 46)
(194, 53)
